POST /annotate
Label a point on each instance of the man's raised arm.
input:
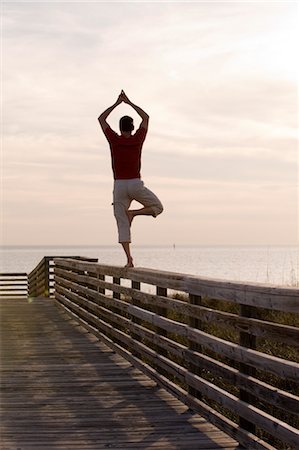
(144, 116)
(102, 118)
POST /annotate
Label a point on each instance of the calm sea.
(261, 264)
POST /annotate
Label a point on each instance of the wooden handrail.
(207, 345)
(259, 295)
(13, 284)
(41, 278)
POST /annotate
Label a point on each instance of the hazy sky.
(220, 83)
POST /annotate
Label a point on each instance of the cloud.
(219, 81)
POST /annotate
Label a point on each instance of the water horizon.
(266, 264)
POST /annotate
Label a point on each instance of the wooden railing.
(13, 285)
(227, 349)
(41, 278)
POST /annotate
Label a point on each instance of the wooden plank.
(270, 394)
(13, 274)
(263, 296)
(98, 401)
(23, 295)
(194, 322)
(213, 416)
(274, 426)
(161, 292)
(278, 366)
(256, 327)
(10, 289)
(247, 340)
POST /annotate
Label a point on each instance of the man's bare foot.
(129, 263)
(130, 215)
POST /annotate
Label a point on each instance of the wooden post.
(194, 323)
(135, 285)
(161, 312)
(46, 277)
(249, 341)
(31, 285)
(101, 290)
(116, 294)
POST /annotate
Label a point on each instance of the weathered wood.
(256, 327)
(278, 366)
(116, 281)
(101, 278)
(276, 427)
(213, 416)
(193, 359)
(13, 285)
(247, 340)
(135, 285)
(167, 334)
(12, 295)
(161, 292)
(270, 424)
(10, 274)
(194, 322)
(262, 296)
(86, 397)
(40, 278)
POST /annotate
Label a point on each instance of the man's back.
(126, 153)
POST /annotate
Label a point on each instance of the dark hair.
(126, 124)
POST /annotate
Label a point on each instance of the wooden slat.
(257, 327)
(213, 416)
(271, 394)
(41, 276)
(84, 397)
(13, 284)
(11, 289)
(288, 401)
(23, 295)
(278, 366)
(277, 428)
(263, 296)
(13, 274)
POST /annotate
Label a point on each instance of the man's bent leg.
(151, 204)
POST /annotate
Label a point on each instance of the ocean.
(276, 265)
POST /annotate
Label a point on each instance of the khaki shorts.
(124, 192)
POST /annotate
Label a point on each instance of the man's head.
(126, 124)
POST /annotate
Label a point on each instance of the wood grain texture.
(277, 366)
(61, 388)
(271, 424)
(261, 295)
(13, 285)
(256, 327)
(162, 335)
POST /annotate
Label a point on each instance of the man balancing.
(126, 164)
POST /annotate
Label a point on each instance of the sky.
(219, 81)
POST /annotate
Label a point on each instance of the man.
(126, 163)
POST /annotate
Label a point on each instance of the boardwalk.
(63, 389)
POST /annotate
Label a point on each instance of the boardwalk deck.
(63, 389)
